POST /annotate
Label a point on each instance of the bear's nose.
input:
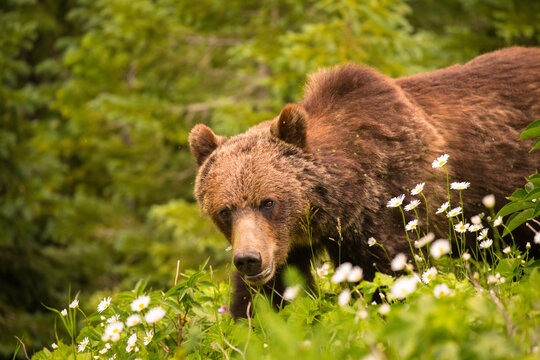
(248, 262)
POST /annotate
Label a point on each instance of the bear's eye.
(224, 214)
(267, 204)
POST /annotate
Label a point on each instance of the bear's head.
(251, 186)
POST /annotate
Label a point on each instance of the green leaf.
(513, 207)
(536, 145)
(519, 194)
(518, 219)
(534, 124)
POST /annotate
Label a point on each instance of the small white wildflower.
(429, 275)
(371, 241)
(466, 256)
(461, 227)
(323, 270)
(537, 238)
(528, 245)
(148, 337)
(362, 314)
(140, 303)
(489, 201)
(418, 189)
(486, 243)
(399, 262)
(133, 320)
(412, 205)
(132, 340)
(344, 298)
(506, 250)
(418, 258)
(154, 315)
(439, 248)
(384, 309)
(129, 347)
(342, 273)
(440, 161)
(74, 304)
(483, 235)
(113, 330)
(411, 225)
(104, 304)
(63, 312)
(460, 185)
(403, 287)
(396, 201)
(497, 222)
(113, 318)
(424, 240)
(476, 220)
(475, 227)
(355, 274)
(454, 212)
(492, 279)
(83, 344)
(228, 248)
(265, 345)
(441, 290)
(291, 292)
(443, 208)
(54, 346)
(501, 280)
(104, 350)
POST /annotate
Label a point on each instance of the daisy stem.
(382, 247)
(448, 186)
(418, 227)
(462, 208)
(427, 213)
(408, 239)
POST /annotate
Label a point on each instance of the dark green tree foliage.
(97, 98)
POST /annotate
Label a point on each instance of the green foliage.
(532, 131)
(97, 98)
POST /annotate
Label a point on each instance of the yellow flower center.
(115, 330)
(141, 306)
(429, 276)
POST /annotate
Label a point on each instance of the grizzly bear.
(357, 139)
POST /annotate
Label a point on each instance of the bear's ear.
(202, 142)
(290, 126)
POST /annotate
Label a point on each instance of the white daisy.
(64, 312)
(506, 250)
(83, 344)
(461, 227)
(323, 270)
(439, 248)
(454, 212)
(399, 262)
(418, 189)
(443, 207)
(411, 225)
(344, 298)
(112, 331)
(441, 290)
(342, 273)
(132, 340)
(476, 220)
(54, 346)
(148, 337)
(483, 234)
(466, 256)
(371, 241)
(355, 274)
(429, 275)
(74, 304)
(489, 201)
(497, 222)
(475, 227)
(486, 243)
(384, 309)
(396, 201)
(154, 315)
(140, 303)
(460, 185)
(412, 205)
(528, 245)
(537, 238)
(104, 304)
(424, 240)
(133, 320)
(291, 292)
(403, 287)
(440, 161)
(113, 318)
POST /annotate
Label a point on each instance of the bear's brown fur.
(357, 139)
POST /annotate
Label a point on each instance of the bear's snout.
(248, 262)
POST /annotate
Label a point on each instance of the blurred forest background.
(97, 98)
